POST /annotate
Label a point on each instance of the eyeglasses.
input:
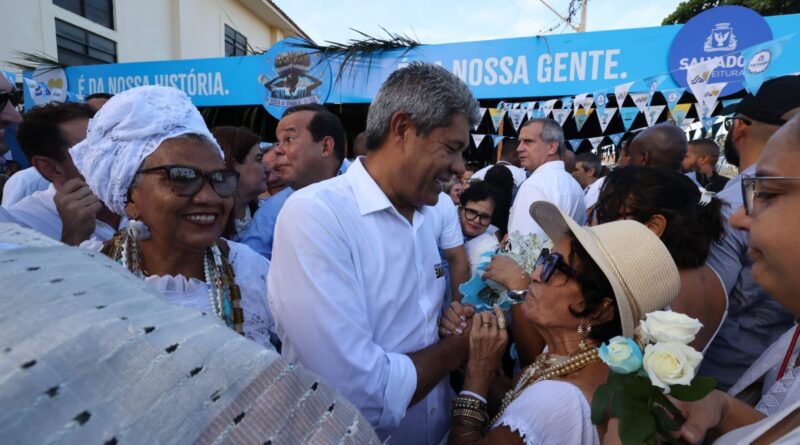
(729, 121)
(750, 194)
(550, 262)
(15, 97)
(265, 146)
(188, 181)
(472, 215)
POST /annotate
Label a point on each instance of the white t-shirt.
(518, 173)
(593, 192)
(449, 226)
(21, 184)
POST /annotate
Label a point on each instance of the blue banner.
(628, 115)
(673, 95)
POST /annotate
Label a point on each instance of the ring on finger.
(501, 322)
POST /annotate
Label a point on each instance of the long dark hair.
(503, 181)
(236, 142)
(595, 288)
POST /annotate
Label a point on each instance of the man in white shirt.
(587, 173)
(509, 160)
(356, 282)
(23, 183)
(541, 148)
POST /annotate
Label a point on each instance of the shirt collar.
(551, 165)
(369, 196)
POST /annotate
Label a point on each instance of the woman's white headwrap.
(130, 127)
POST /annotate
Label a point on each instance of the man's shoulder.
(40, 199)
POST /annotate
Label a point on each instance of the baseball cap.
(775, 97)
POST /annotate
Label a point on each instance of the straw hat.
(634, 260)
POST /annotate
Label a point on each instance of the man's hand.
(77, 206)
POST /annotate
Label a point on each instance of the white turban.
(129, 127)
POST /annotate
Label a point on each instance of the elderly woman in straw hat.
(594, 284)
(150, 157)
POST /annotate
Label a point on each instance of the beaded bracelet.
(467, 402)
(480, 416)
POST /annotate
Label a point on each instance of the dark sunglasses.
(550, 262)
(729, 121)
(188, 181)
(749, 192)
(15, 97)
(472, 215)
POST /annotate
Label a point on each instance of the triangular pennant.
(516, 117)
(708, 122)
(537, 113)
(652, 83)
(758, 59)
(711, 94)
(515, 105)
(478, 139)
(653, 114)
(595, 141)
(496, 139)
(11, 77)
(587, 102)
(628, 115)
(575, 144)
(697, 76)
(679, 113)
(578, 103)
(497, 117)
(561, 116)
(566, 102)
(616, 137)
(640, 100)
(548, 107)
(600, 101)
(673, 95)
(482, 112)
(581, 116)
(621, 92)
(605, 117)
(728, 102)
(704, 110)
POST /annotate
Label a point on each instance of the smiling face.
(252, 174)
(183, 223)
(532, 150)
(483, 210)
(8, 114)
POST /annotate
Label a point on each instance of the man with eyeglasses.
(10, 98)
(754, 319)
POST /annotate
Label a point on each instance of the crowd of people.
(308, 297)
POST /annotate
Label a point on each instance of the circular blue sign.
(720, 34)
(293, 75)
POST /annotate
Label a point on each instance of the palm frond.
(26, 61)
(357, 51)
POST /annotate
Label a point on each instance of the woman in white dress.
(595, 283)
(475, 211)
(149, 156)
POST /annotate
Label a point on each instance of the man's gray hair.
(551, 132)
(430, 94)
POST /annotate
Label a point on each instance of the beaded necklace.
(546, 367)
(223, 292)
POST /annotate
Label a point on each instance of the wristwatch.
(517, 296)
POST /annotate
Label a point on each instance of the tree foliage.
(690, 8)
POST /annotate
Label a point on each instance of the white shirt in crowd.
(518, 173)
(38, 212)
(593, 192)
(550, 182)
(21, 184)
(354, 287)
(448, 224)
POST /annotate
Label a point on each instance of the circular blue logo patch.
(719, 34)
(293, 75)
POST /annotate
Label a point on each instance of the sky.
(441, 21)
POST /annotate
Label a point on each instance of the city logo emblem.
(673, 97)
(759, 62)
(721, 38)
(293, 84)
(439, 269)
(600, 100)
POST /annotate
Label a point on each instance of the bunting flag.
(728, 102)
(581, 116)
(605, 117)
(640, 100)
(497, 117)
(628, 115)
(595, 141)
(11, 77)
(616, 137)
(600, 101)
(566, 102)
(703, 110)
(578, 102)
(42, 93)
(621, 92)
(708, 123)
(537, 113)
(673, 95)
(496, 139)
(548, 106)
(679, 113)
(482, 112)
(478, 139)
(711, 94)
(516, 105)
(652, 83)
(758, 59)
(697, 76)
(575, 143)
(561, 116)
(516, 117)
(653, 114)
(587, 102)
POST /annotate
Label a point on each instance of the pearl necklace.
(540, 370)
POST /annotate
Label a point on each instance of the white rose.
(665, 326)
(670, 363)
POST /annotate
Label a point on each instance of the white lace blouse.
(551, 411)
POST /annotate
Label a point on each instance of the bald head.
(663, 145)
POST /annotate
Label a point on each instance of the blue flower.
(621, 354)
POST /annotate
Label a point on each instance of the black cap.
(774, 98)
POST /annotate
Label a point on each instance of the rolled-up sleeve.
(322, 313)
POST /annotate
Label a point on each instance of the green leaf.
(639, 388)
(664, 421)
(636, 427)
(699, 388)
(600, 400)
(667, 403)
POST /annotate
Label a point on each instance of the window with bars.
(77, 46)
(235, 42)
(98, 11)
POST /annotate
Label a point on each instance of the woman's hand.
(455, 319)
(502, 269)
(487, 343)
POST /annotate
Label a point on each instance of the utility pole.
(581, 26)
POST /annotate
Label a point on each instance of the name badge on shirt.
(439, 269)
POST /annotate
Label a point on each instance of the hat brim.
(556, 224)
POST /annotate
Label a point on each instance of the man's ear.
(740, 131)
(49, 168)
(657, 224)
(327, 146)
(400, 127)
(552, 149)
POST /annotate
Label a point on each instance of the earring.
(584, 329)
(138, 230)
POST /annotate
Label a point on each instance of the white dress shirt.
(550, 182)
(448, 224)
(518, 173)
(21, 184)
(354, 288)
(593, 192)
(38, 212)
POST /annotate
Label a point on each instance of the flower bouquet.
(638, 384)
